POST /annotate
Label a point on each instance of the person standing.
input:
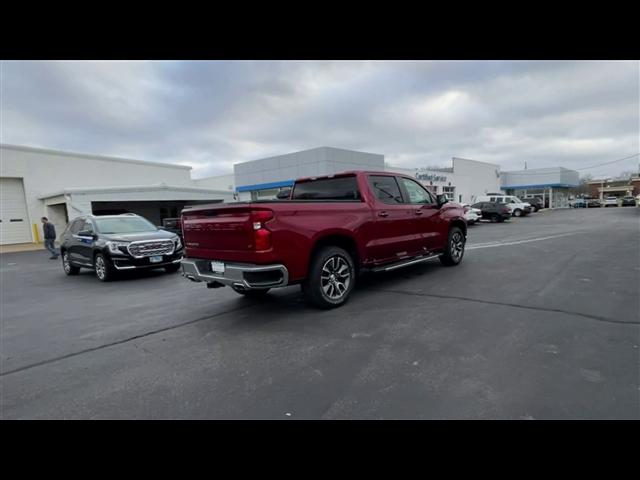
(49, 237)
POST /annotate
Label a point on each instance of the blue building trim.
(542, 185)
(265, 186)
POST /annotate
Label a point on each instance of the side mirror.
(441, 199)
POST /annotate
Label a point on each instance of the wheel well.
(461, 225)
(342, 241)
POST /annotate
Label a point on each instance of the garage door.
(14, 223)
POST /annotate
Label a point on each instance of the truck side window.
(417, 194)
(338, 188)
(386, 189)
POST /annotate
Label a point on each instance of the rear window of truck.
(339, 188)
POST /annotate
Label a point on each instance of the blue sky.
(212, 114)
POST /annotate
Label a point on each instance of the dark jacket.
(49, 231)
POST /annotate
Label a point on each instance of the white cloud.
(213, 114)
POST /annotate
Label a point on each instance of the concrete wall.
(540, 177)
(45, 172)
(220, 182)
(474, 178)
(306, 163)
(80, 203)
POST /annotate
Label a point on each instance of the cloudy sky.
(213, 114)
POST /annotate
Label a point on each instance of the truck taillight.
(261, 234)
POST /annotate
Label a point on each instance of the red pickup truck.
(322, 235)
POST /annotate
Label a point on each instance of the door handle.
(383, 214)
(418, 212)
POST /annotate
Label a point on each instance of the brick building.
(614, 188)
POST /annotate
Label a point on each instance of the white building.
(463, 182)
(36, 182)
(552, 184)
(263, 178)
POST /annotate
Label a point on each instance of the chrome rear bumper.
(243, 276)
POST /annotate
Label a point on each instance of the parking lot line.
(518, 242)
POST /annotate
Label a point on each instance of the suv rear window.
(340, 188)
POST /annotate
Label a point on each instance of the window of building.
(267, 194)
(450, 192)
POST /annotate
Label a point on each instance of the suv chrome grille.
(151, 247)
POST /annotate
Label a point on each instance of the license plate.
(217, 267)
(155, 259)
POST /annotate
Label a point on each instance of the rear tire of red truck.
(331, 278)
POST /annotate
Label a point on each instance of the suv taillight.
(261, 234)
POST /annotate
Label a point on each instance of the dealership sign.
(431, 177)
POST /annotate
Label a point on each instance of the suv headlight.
(178, 243)
(114, 247)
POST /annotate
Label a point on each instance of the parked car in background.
(330, 229)
(611, 202)
(517, 207)
(536, 203)
(592, 202)
(471, 215)
(578, 203)
(110, 243)
(493, 211)
(628, 202)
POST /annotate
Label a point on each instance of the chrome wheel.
(65, 263)
(457, 246)
(101, 268)
(335, 277)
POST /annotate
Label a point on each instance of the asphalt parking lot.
(540, 321)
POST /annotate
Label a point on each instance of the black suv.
(494, 211)
(109, 243)
(535, 202)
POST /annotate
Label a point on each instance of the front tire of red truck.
(454, 251)
(331, 278)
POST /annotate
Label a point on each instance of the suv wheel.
(495, 218)
(331, 278)
(454, 251)
(517, 212)
(67, 267)
(104, 270)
